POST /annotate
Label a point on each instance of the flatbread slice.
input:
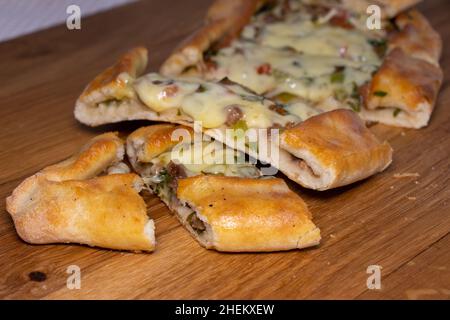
(321, 55)
(89, 199)
(226, 207)
(226, 105)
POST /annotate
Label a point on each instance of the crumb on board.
(391, 187)
(406, 175)
(412, 198)
(332, 236)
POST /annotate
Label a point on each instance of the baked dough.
(70, 203)
(248, 214)
(228, 213)
(333, 149)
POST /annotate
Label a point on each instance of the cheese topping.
(213, 104)
(208, 158)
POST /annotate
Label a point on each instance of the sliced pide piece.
(403, 92)
(227, 207)
(223, 23)
(331, 150)
(223, 105)
(241, 214)
(87, 199)
(111, 96)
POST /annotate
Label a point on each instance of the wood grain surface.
(401, 225)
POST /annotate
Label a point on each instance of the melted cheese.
(303, 55)
(208, 105)
(302, 110)
(208, 157)
(160, 98)
(310, 38)
(305, 75)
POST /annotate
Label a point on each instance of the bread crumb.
(391, 187)
(416, 182)
(402, 133)
(412, 198)
(332, 236)
(406, 175)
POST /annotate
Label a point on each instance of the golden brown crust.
(224, 21)
(105, 212)
(337, 147)
(67, 203)
(389, 8)
(148, 142)
(404, 83)
(250, 214)
(101, 152)
(416, 37)
(113, 83)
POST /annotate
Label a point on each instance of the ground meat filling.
(302, 164)
(175, 171)
(234, 114)
(196, 223)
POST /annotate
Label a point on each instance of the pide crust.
(404, 90)
(333, 149)
(148, 142)
(229, 17)
(250, 214)
(113, 83)
(67, 203)
(99, 153)
(406, 84)
(416, 37)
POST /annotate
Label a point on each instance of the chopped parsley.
(380, 93)
(241, 124)
(280, 75)
(340, 94)
(354, 105)
(338, 76)
(396, 112)
(379, 45)
(201, 88)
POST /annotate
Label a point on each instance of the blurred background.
(19, 17)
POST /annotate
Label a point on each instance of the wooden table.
(401, 225)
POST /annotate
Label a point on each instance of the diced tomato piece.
(265, 68)
(341, 19)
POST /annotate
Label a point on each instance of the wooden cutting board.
(401, 225)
